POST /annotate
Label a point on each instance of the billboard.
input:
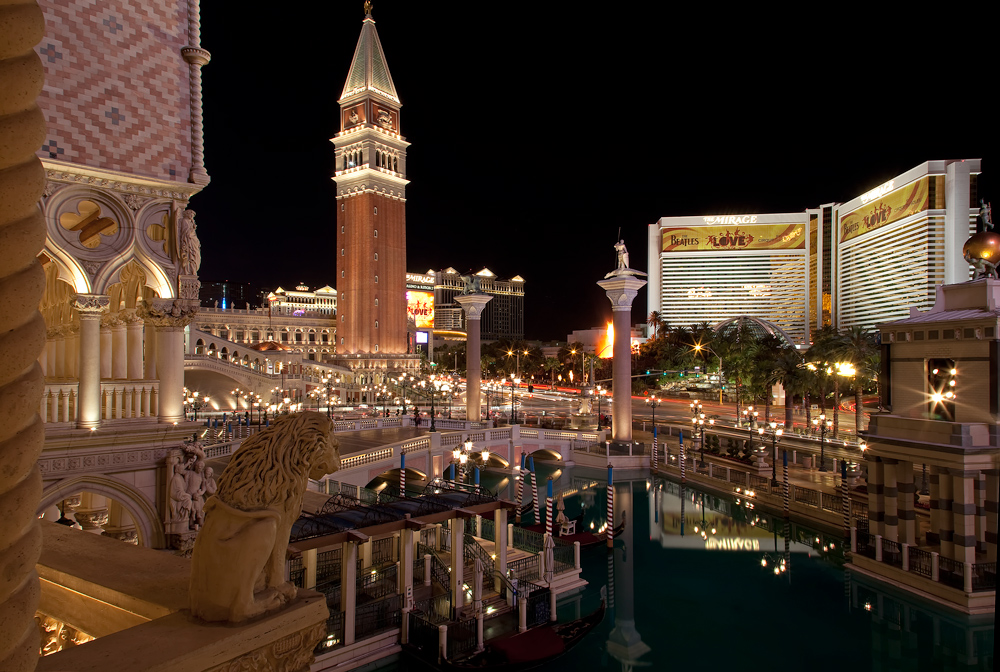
(735, 237)
(894, 206)
(420, 308)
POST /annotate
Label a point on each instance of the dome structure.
(756, 326)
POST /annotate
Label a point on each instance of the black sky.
(539, 129)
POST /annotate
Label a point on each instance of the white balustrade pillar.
(90, 307)
(149, 338)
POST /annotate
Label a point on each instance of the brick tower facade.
(371, 213)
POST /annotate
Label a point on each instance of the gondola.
(527, 650)
(586, 538)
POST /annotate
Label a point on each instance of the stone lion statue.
(238, 563)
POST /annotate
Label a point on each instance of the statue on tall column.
(190, 246)
(622, 254)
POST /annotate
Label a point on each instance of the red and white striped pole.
(548, 508)
(683, 463)
(534, 491)
(611, 507)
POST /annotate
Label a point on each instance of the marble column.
(621, 290)
(119, 348)
(907, 489)
(106, 321)
(133, 359)
(90, 307)
(500, 539)
(473, 305)
(991, 497)
(22, 286)
(149, 337)
(890, 528)
(964, 509)
(457, 563)
(876, 496)
(169, 318)
(348, 584)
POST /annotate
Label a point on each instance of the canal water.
(702, 582)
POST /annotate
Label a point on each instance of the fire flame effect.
(605, 349)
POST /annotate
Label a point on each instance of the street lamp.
(776, 433)
(824, 425)
(698, 425)
(698, 348)
(513, 399)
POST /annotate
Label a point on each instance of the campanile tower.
(371, 211)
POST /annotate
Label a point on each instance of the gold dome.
(984, 245)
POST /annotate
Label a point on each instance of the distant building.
(228, 294)
(503, 318)
(301, 301)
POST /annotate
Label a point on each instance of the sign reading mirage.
(723, 220)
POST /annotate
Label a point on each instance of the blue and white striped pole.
(683, 466)
(402, 474)
(611, 507)
(534, 490)
(548, 508)
(520, 491)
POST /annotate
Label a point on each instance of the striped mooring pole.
(451, 472)
(520, 491)
(475, 472)
(845, 497)
(534, 490)
(402, 474)
(683, 465)
(611, 507)
(655, 460)
(548, 508)
(784, 471)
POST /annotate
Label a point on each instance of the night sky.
(539, 129)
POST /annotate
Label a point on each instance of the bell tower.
(371, 209)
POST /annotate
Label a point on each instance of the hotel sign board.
(890, 207)
(733, 234)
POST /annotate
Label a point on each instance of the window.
(298, 337)
(341, 251)
(376, 347)
(341, 207)
(341, 340)
(342, 228)
(376, 279)
(376, 302)
(376, 324)
(341, 274)
(376, 209)
(376, 256)
(376, 233)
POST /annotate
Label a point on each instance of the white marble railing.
(120, 399)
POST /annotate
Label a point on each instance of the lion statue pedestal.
(238, 563)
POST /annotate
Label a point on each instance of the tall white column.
(106, 321)
(169, 319)
(61, 352)
(133, 363)
(90, 307)
(149, 338)
(473, 304)
(621, 288)
(119, 349)
(956, 221)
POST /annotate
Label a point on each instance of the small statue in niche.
(190, 245)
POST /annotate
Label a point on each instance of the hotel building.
(858, 263)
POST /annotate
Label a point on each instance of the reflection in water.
(669, 586)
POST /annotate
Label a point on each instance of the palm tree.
(786, 368)
(857, 347)
(823, 355)
(551, 364)
(655, 320)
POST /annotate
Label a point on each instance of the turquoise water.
(693, 602)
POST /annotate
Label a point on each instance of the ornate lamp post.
(698, 425)
(516, 381)
(824, 426)
(776, 433)
(462, 458)
(600, 392)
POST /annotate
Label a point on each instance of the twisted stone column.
(196, 57)
(22, 330)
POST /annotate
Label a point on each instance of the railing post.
(404, 636)
(935, 566)
(427, 569)
(442, 642)
(906, 556)
(510, 536)
(878, 548)
(576, 555)
(854, 539)
(967, 574)
(522, 613)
